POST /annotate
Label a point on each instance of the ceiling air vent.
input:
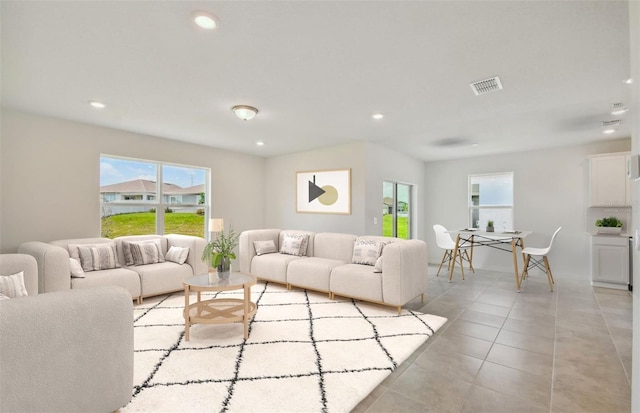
(610, 123)
(616, 106)
(483, 87)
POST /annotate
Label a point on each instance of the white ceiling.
(318, 70)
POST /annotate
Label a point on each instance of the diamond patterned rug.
(305, 353)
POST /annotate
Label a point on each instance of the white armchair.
(68, 351)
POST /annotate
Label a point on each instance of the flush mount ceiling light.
(628, 81)
(245, 112)
(97, 104)
(377, 116)
(618, 109)
(205, 20)
(260, 143)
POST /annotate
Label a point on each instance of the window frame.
(158, 202)
(471, 207)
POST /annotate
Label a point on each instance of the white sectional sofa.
(153, 274)
(67, 351)
(389, 271)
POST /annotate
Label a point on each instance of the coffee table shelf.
(218, 310)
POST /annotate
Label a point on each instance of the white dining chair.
(537, 257)
(444, 241)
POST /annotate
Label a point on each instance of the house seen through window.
(491, 198)
(146, 197)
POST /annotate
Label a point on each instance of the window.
(491, 198)
(396, 209)
(133, 203)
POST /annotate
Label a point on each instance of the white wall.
(550, 190)
(280, 187)
(51, 176)
(384, 164)
(370, 164)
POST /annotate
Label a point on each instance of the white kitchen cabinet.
(609, 185)
(610, 261)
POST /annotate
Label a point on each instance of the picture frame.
(324, 192)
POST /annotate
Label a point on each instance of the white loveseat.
(67, 351)
(54, 271)
(328, 265)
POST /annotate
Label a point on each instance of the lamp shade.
(216, 225)
(245, 112)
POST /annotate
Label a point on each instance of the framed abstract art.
(324, 192)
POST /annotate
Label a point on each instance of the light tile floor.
(502, 351)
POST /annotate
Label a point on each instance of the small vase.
(224, 269)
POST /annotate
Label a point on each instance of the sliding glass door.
(397, 206)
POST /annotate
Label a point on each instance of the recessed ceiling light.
(628, 81)
(260, 143)
(97, 104)
(475, 144)
(608, 131)
(377, 116)
(205, 20)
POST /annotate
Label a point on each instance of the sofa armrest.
(404, 271)
(246, 249)
(14, 263)
(54, 273)
(196, 247)
(68, 351)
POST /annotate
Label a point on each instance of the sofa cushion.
(336, 246)
(378, 266)
(358, 281)
(366, 252)
(264, 247)
(76, 269)
(162, 277)
(13, 285)
(272, 267)
(121, 277)
(144, 253)
(99, 257)
(294, 244)
(130, 259)
(312, 272)
(177, 254)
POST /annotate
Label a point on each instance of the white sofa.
(54, 271)
(327, 265)
(68, 351)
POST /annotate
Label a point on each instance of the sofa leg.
(139, 300)
(399, 310)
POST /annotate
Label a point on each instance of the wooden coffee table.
(218, 310)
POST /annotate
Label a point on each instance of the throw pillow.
(177, 255)
(74, 252)
(294, 244)
(145, 253)
(3, 297)
(264, 247)
(366, 252)
(378, 266)
(99, 257)
(13, 285)
(76, 269)
(126, 250)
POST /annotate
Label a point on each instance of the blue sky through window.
(115, 170)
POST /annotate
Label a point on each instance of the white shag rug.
(305, 353)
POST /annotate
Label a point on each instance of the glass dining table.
(508, 241)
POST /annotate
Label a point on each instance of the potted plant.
(218, 253)
(610, 225)
(490, 226)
